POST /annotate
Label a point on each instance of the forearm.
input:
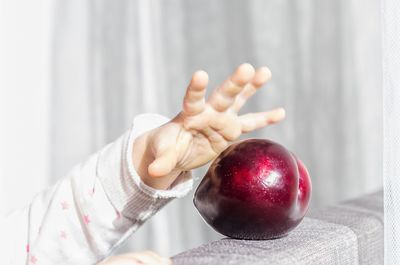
(90, 212)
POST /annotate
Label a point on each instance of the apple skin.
(255, 189)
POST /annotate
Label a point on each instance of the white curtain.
(25, 42)
(391, 108)
(114, 59)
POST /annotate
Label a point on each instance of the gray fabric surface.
(115, 59)
(347, 233)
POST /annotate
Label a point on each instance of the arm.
(105, 199)
(91, 211)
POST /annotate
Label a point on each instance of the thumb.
(164, 163)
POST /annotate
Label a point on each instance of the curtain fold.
(391, 137)
(115, 59)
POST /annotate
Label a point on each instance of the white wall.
(24, 86)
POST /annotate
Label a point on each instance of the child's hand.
(143, 258)
(203, 128)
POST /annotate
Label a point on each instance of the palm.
(204, 128)
(195, 139)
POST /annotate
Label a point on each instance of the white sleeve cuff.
(184, 182)
(121, 182)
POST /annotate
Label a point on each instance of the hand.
(203, 128)
(142, 258)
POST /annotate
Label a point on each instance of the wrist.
(143, 156)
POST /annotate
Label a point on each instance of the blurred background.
(74, 74)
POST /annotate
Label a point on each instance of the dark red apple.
(255, 189)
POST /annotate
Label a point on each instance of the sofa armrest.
(347, 233)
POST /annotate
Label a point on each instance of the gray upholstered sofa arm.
(348, 233)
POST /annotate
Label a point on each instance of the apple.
(255, 189)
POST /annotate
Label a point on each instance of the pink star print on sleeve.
(91, 211)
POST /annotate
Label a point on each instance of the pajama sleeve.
(99, 204)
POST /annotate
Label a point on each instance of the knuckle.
(233, 133)
(192, 107)
(221, 102)
(231, 88)
(237, 132)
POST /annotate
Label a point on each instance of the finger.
(152, 260)
(164, 163)
(161, 260)
(144, 258)
(127, 259)
(212, 135)
(167, 261)
(154, 255)
(224, 96)
(253, 121)
(150, 257)
(217, 141)
(262, 76)
(227, 126)
(194, 101)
